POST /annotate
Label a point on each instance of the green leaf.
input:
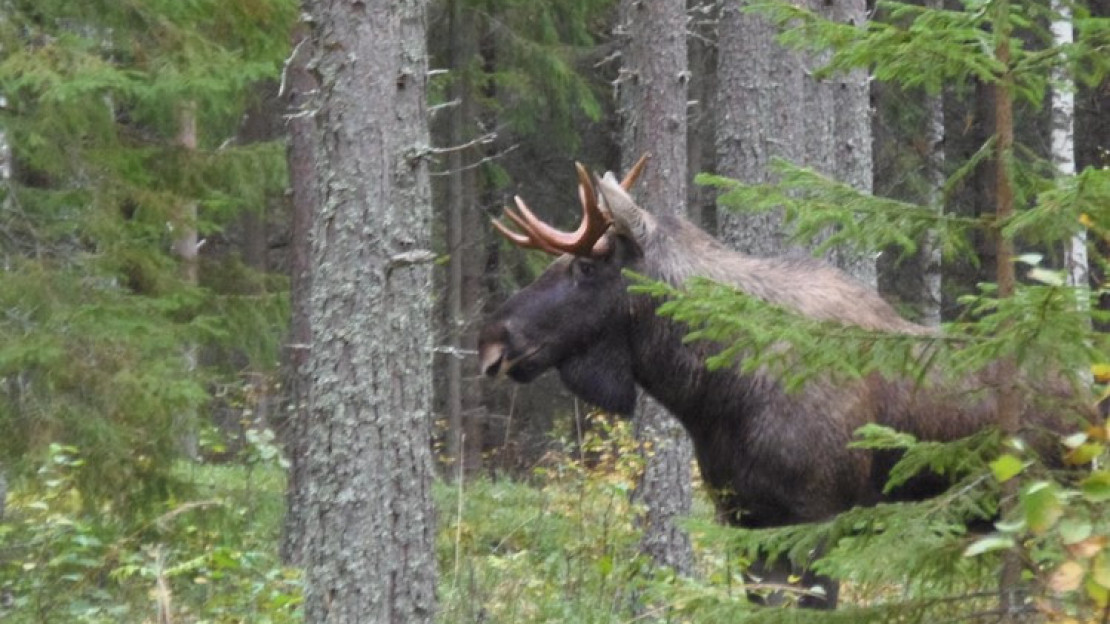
(1100, 569)
(1041, 505)
(1084, 453)
(1096, 487)
(1006, 467)
(1073, 530)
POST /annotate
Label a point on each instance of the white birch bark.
(1063, 144)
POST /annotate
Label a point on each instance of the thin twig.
(485, 139)
(478, 163)
(287, 63)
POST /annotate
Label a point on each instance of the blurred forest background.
(154, 235)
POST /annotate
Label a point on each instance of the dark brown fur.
(769, 457)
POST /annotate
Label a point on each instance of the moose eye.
(584, 269)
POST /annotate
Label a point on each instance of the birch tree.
(1063, 138)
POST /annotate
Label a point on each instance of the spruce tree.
(102, 313)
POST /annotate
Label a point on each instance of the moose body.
(769, 457)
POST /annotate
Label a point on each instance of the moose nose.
(492, 341)
(490, 356)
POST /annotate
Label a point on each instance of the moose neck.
(675, 373)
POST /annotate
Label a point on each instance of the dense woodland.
(246, 251)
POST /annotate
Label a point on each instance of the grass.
(558, 545)
(210, 556)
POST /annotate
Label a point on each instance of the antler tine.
(634, 173)
(534, 239)
(585, 241)
(520, 240)
(578, 243)
(586, 185)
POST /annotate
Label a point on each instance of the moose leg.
(765, 577)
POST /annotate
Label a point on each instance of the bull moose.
(769, 457)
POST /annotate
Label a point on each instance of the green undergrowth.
(559, 547)
(560, 544)
(208, 554)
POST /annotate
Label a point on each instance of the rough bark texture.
(654, 86)
(185, 248)
(302, 181)
(851, 150)
(370, 527)
(759, 117)
(930, 261)
(770, 106)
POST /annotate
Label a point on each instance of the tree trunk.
(1008, 406)
(185, 248)
(464, 247)
(369, 550)
(908, 139)
(759, 117)
(930, 252)
(770, 106)
(302, 182)
(654, 89)
(1063, 144)
(929, 260)
(851, 149)
(701, 201)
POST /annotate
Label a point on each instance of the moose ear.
(602, 376)
(628, 218)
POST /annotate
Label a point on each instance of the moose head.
(576, 316)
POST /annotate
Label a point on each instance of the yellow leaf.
(1087, 548)
(1083, 454)
(1086, 220)
(1066, 578)
(1097, 593)
(1097, 432)
(1101, 372)
(1100, 570)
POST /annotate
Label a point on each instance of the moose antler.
(586, 240)
(634, 173)
(539, 235)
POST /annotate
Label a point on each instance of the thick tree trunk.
(654, 88)
(770, 106)
(851, 149)
(302, 181)
(760, 92)
(370, 529)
